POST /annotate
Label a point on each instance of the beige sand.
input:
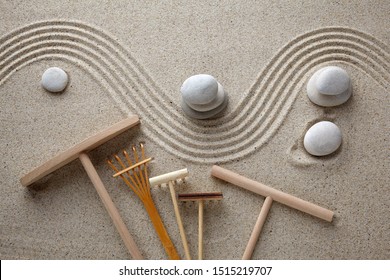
(128, 57)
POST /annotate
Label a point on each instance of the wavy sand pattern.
(250, 124)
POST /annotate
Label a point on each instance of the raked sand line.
(222, 127)
(217, 128)
(56, 53)
(207, 139)
(267, 102)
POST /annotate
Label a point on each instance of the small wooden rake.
(135, 175)
(200, 198)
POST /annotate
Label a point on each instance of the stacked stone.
(329, 86)
(202, 97)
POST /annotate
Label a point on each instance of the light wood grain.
(80, 151)
(110, 207)
(167, 177)
(279, 196)
(200, 231)
(73, 153)
(179, 221)
(132, 167)
(170, 178)
(257, 229)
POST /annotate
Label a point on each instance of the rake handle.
(279, 196)
(179, 221)
(111, 209)
(200, 230)
(161, 231)
(257, 229)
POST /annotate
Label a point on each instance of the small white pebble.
(322, 139)
(54, 79)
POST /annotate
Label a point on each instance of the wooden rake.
(135, 175)
(271, 194)
(80, 151)
(171, 179)
(200, 198)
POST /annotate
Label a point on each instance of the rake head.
(175, 177)
(200, 196)
(135, 174)
(133, 171)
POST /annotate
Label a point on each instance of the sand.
(127, 57)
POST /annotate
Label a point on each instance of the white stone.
(329, 86)
(332, 80)
(199, 89)
(203, 115)
(322, 139)
(218, 100)
(202, 97)
(54, 79)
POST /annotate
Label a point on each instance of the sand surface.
(129, 57)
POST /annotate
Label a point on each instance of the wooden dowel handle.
(111, 209)
(179, 221)
(200, 232)
(257, 229)
(276, 195)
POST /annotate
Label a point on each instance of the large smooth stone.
(213, 104)
(54, 79)
(329, 86)
(322, 139)
(332, 80)
(204, 115)
(199, 89)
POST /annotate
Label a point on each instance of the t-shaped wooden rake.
(80, 151)
(270, 194)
